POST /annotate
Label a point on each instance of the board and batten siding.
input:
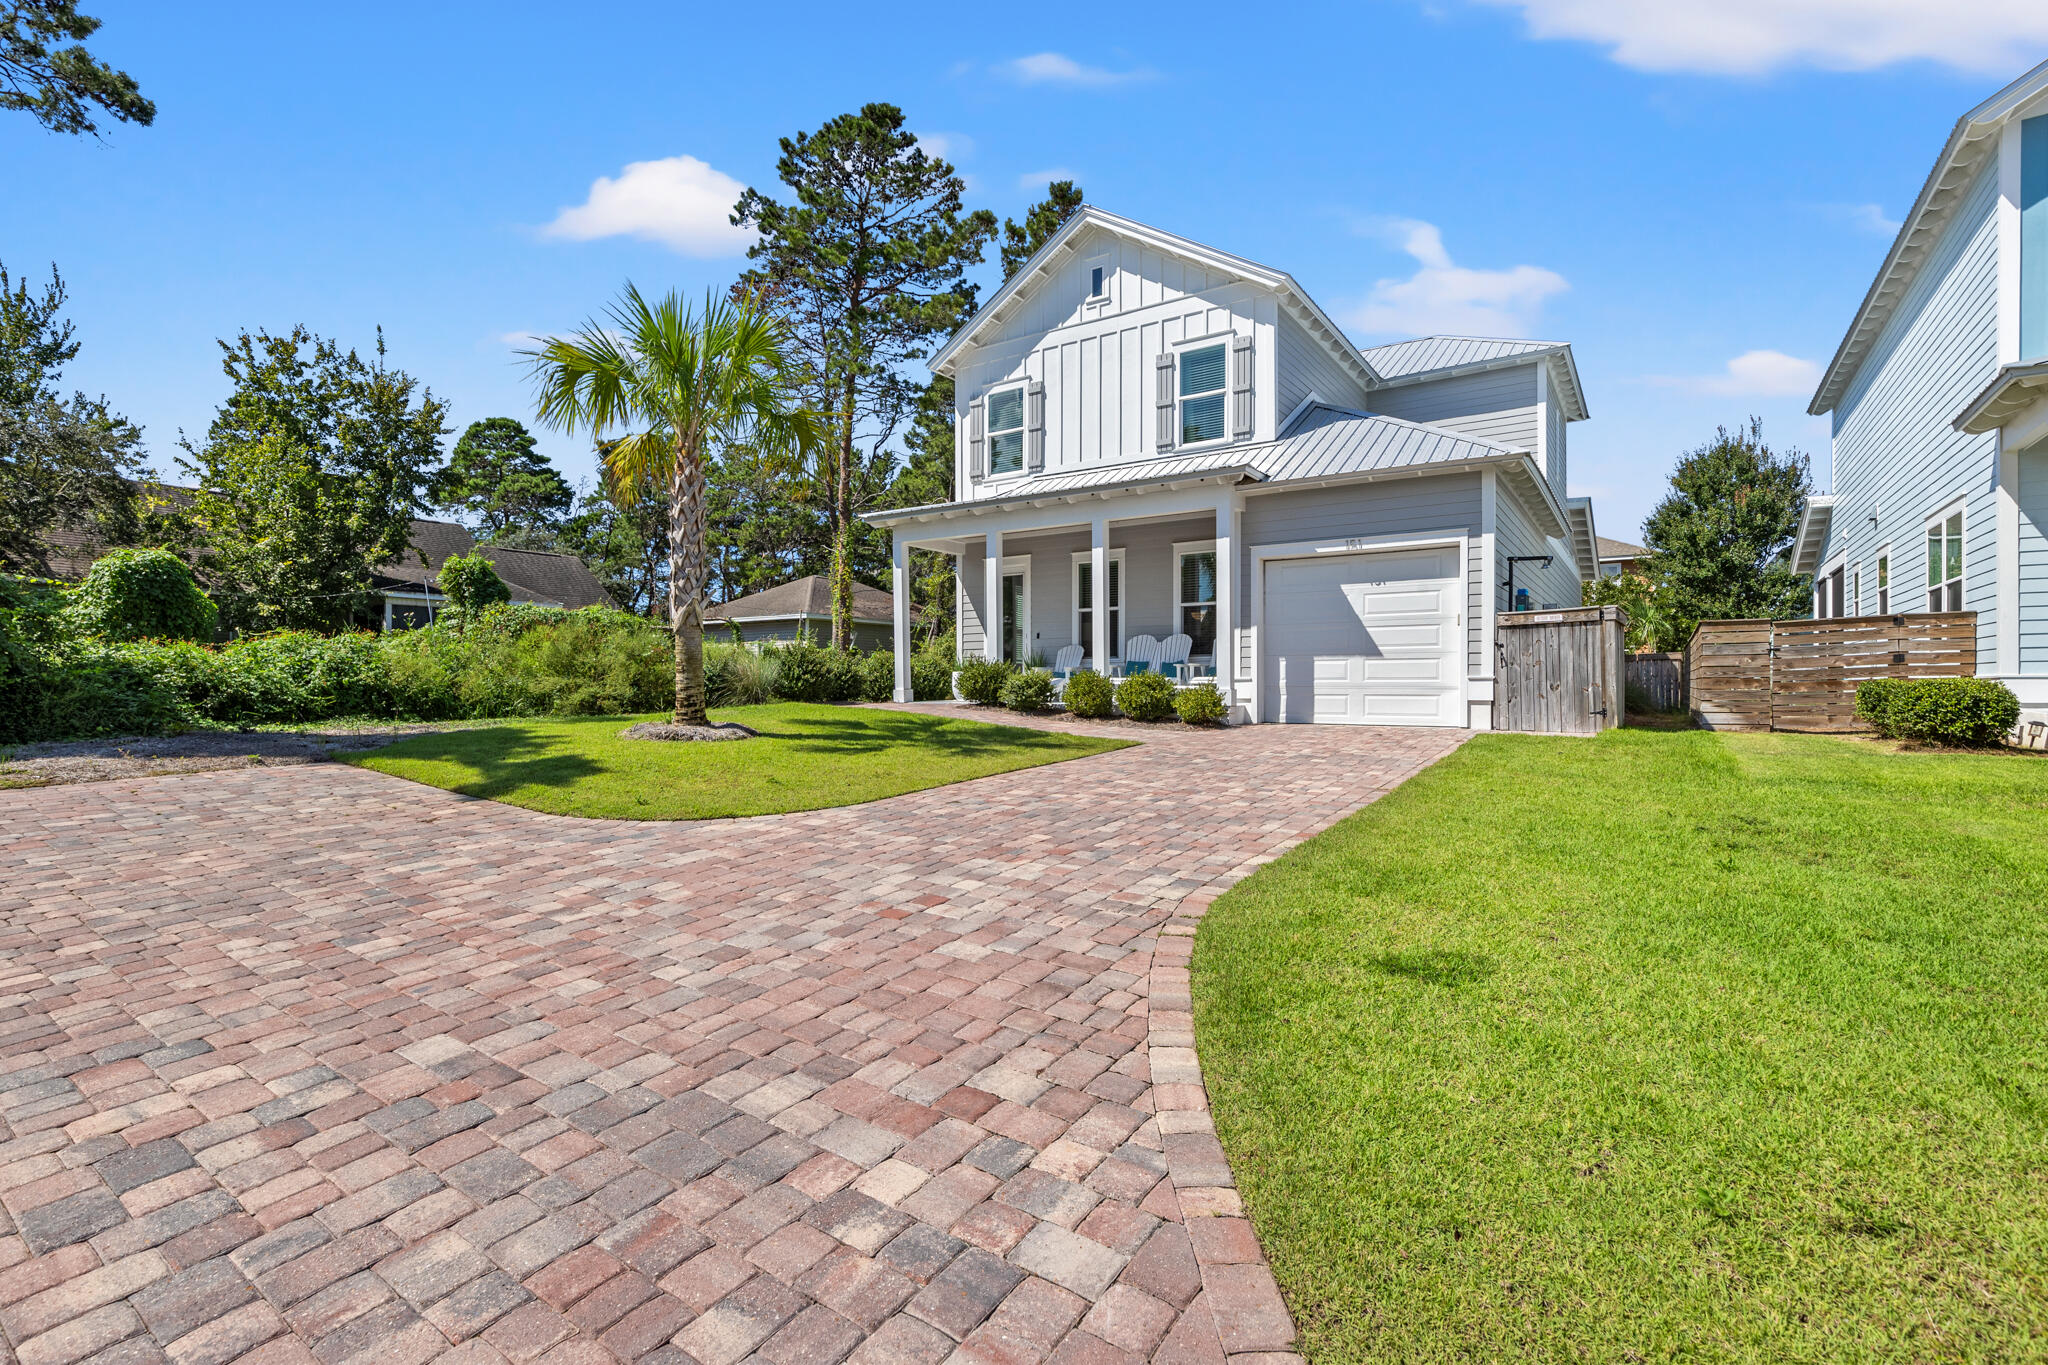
(1896, 457)
(1305, 367)
(1393, 507)
(2033, 597)
(1096, 359)
(1494, 405)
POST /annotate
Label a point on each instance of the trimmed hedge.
(1973, 712)
(1089, 695)
(1201, 704)
(1146, 696)
(1030, 690)
(981, 680)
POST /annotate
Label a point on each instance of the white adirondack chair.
(1064, 665)
(1173, 655)
(1141, 655)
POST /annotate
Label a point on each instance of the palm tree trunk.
(686, 581)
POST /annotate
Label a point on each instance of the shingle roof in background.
(810, 596)
(1619, 549)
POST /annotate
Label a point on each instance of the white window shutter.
(1034, 425)
(1241, 387)
(977, 440)
(1162, 371)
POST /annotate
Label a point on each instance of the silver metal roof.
(1424, 354)
(2013, 390)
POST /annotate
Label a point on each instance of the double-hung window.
(1084, 603)
(1945, 562)
(1006, 430)
(1194, 595)
(1204, 391)
(1884, 583)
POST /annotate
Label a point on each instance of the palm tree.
(682, 381)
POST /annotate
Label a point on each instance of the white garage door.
(1364, 639)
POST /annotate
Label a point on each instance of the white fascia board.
(1814, 520)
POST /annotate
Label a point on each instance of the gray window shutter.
(1034, 425)
(1162, 371)
(977, 440)
(1241, 387)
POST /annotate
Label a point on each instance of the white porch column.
(1098, 577)
(899, 582)
(1226, 597)
(992, 600)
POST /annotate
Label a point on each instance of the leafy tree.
(471, 582)
(869, 260)
(502, 485)
(64, 463)
(625, 543)
(132, 594)
(1021, 240)
(692, 382)
(59, 85)
(1649, 605)
(310, 477)
(1720, 536)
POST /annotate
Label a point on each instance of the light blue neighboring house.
(1939, 398)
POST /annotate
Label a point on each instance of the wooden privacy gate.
(1559, 672)
(1802, 675)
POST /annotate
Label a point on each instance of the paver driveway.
(318, 1064)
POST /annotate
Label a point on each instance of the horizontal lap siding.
(1552, 586)
(2033, 499)
(1554, 464)
(1498, 405)
(1147, 586)
(1418, 506)
(1896, 455)
(1305, 367)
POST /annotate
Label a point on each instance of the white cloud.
(1753, 374)
(947, 146)
(1870, 218)
(1445, 297)
(1754, 37)
(678, 201)
(1033, 182)
(1056, 68)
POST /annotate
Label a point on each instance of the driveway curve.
(313, 1064)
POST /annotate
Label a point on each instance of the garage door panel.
(1365, 638)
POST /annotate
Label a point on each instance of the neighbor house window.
(1084, 603)
(1204, 384)
(1006, 430)
(1195, 596)
(1884, 584)
(1945, 563)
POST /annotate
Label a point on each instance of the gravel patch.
(668, 730)
(105, 760)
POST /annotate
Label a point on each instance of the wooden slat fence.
(1802, 675)
(1660, 678)
(1559, 672)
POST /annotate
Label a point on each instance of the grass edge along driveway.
(1654, 1046)
(805, 758)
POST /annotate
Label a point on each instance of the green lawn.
(806, 757)
(1651, 1047)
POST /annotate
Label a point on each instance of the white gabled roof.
(1970, 143)
(1441, 357)
(1324, 442)
(1585, 540)
(1048, 257)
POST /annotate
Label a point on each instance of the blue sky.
(1694, 196)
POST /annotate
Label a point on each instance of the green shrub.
(845, 676)
(141, 595)
(878, 676)
(1201, 704)
(737, 676)
(804, 674)
(1089, 695)
(931, 671)
(472, 583)
(1148, 696)
(981, 680)
(1030, 690)
(1963, 711)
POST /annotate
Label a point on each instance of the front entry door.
(1013, 617)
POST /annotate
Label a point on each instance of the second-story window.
(1204, 385)
(1006, 430)
(1945, 563)
(1095, 282)
(1884, 584)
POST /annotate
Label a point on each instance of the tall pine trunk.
(686, 575)
(842, 537)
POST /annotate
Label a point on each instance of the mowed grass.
(805, 757)
(1653, 1047)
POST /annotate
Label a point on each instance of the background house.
(1618, 557)
(538, 576)
(803, 606)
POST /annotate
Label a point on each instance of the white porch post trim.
(992, 599)
(1098, 577)
(899, 580)
(1226, 597)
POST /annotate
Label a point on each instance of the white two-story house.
(1156, 437)
(1939, 399)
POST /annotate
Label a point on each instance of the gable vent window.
(1204, 386)
(1095, 283)
(1006, 430)
(1945, 563)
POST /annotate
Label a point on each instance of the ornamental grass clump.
(1089, 695)
(1965, 712)
(1147, 697)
